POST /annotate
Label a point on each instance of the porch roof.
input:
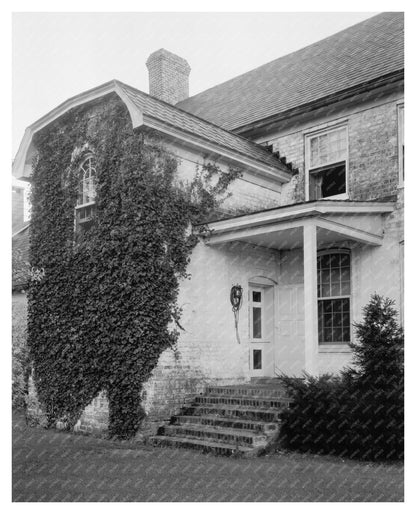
(282, 228)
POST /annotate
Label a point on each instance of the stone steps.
(248, 391)
(202, 445)
(228, 419)
(218, 434)
(219, 421)
(227, 411)
(242, 401)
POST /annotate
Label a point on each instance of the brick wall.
(372, 145)
(246, 196)
(208, 352)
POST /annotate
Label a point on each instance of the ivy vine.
(106, 306)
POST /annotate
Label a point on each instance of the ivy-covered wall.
(104, 305)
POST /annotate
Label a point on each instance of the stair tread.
(227, 420)
(201, 442)
(216, 430)
(263, 387)
(246, 397)
(250, 408)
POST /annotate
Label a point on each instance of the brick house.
(319, 135)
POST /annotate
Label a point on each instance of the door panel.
(290, 347)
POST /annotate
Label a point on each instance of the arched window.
(86, 193)
(334, 297)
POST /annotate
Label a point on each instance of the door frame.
(266, 343)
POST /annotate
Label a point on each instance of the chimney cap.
(163, 54)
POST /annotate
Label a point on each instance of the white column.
(311, 297)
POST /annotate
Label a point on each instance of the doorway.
(261, 330)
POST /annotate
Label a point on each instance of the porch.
(307, 237)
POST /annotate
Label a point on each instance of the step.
(217, 434)
(240, 424)
(252, 401)
(229, 411)
(266, 381)
(262, 392)
(199, 444)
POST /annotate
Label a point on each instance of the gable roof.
(359, 54)
(148, 111)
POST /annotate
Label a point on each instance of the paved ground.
(53, 466)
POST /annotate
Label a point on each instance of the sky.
(58, 55)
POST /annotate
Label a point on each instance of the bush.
(359, 414)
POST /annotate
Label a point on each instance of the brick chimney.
(168, 76)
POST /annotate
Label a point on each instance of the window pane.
(257, 359)
(328, 148)
(345, 260)
(256, 296)
(334, 321)
(333, 181)
(345, 288)
(346, 334)
(337, 335)
(256, 323)
(86, 186)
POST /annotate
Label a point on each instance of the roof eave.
(291, 212)
(364, 87)
(262, 169)
(21, 168)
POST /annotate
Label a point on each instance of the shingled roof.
(193, 125)
(359, 54)
(152, 112)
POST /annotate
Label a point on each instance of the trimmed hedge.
(359, 414)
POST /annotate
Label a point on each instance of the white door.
(290, 346)
(261, 340)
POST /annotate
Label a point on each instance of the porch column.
(311, 296)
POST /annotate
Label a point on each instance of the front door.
(261, 327)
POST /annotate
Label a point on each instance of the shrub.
(359, 414)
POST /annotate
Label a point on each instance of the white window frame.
(308, 169)
(400, 141)
(336, 344)
(81, 179)
(257, 305)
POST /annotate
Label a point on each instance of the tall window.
(326, 163)
(334, 297)
(86, 194)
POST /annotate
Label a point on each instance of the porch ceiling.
(282, 228)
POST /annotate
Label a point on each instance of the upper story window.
(400, 137)
(326, 164)
(334, 297)
(85, 207)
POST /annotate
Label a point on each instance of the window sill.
(343, 196)
(334, 348)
